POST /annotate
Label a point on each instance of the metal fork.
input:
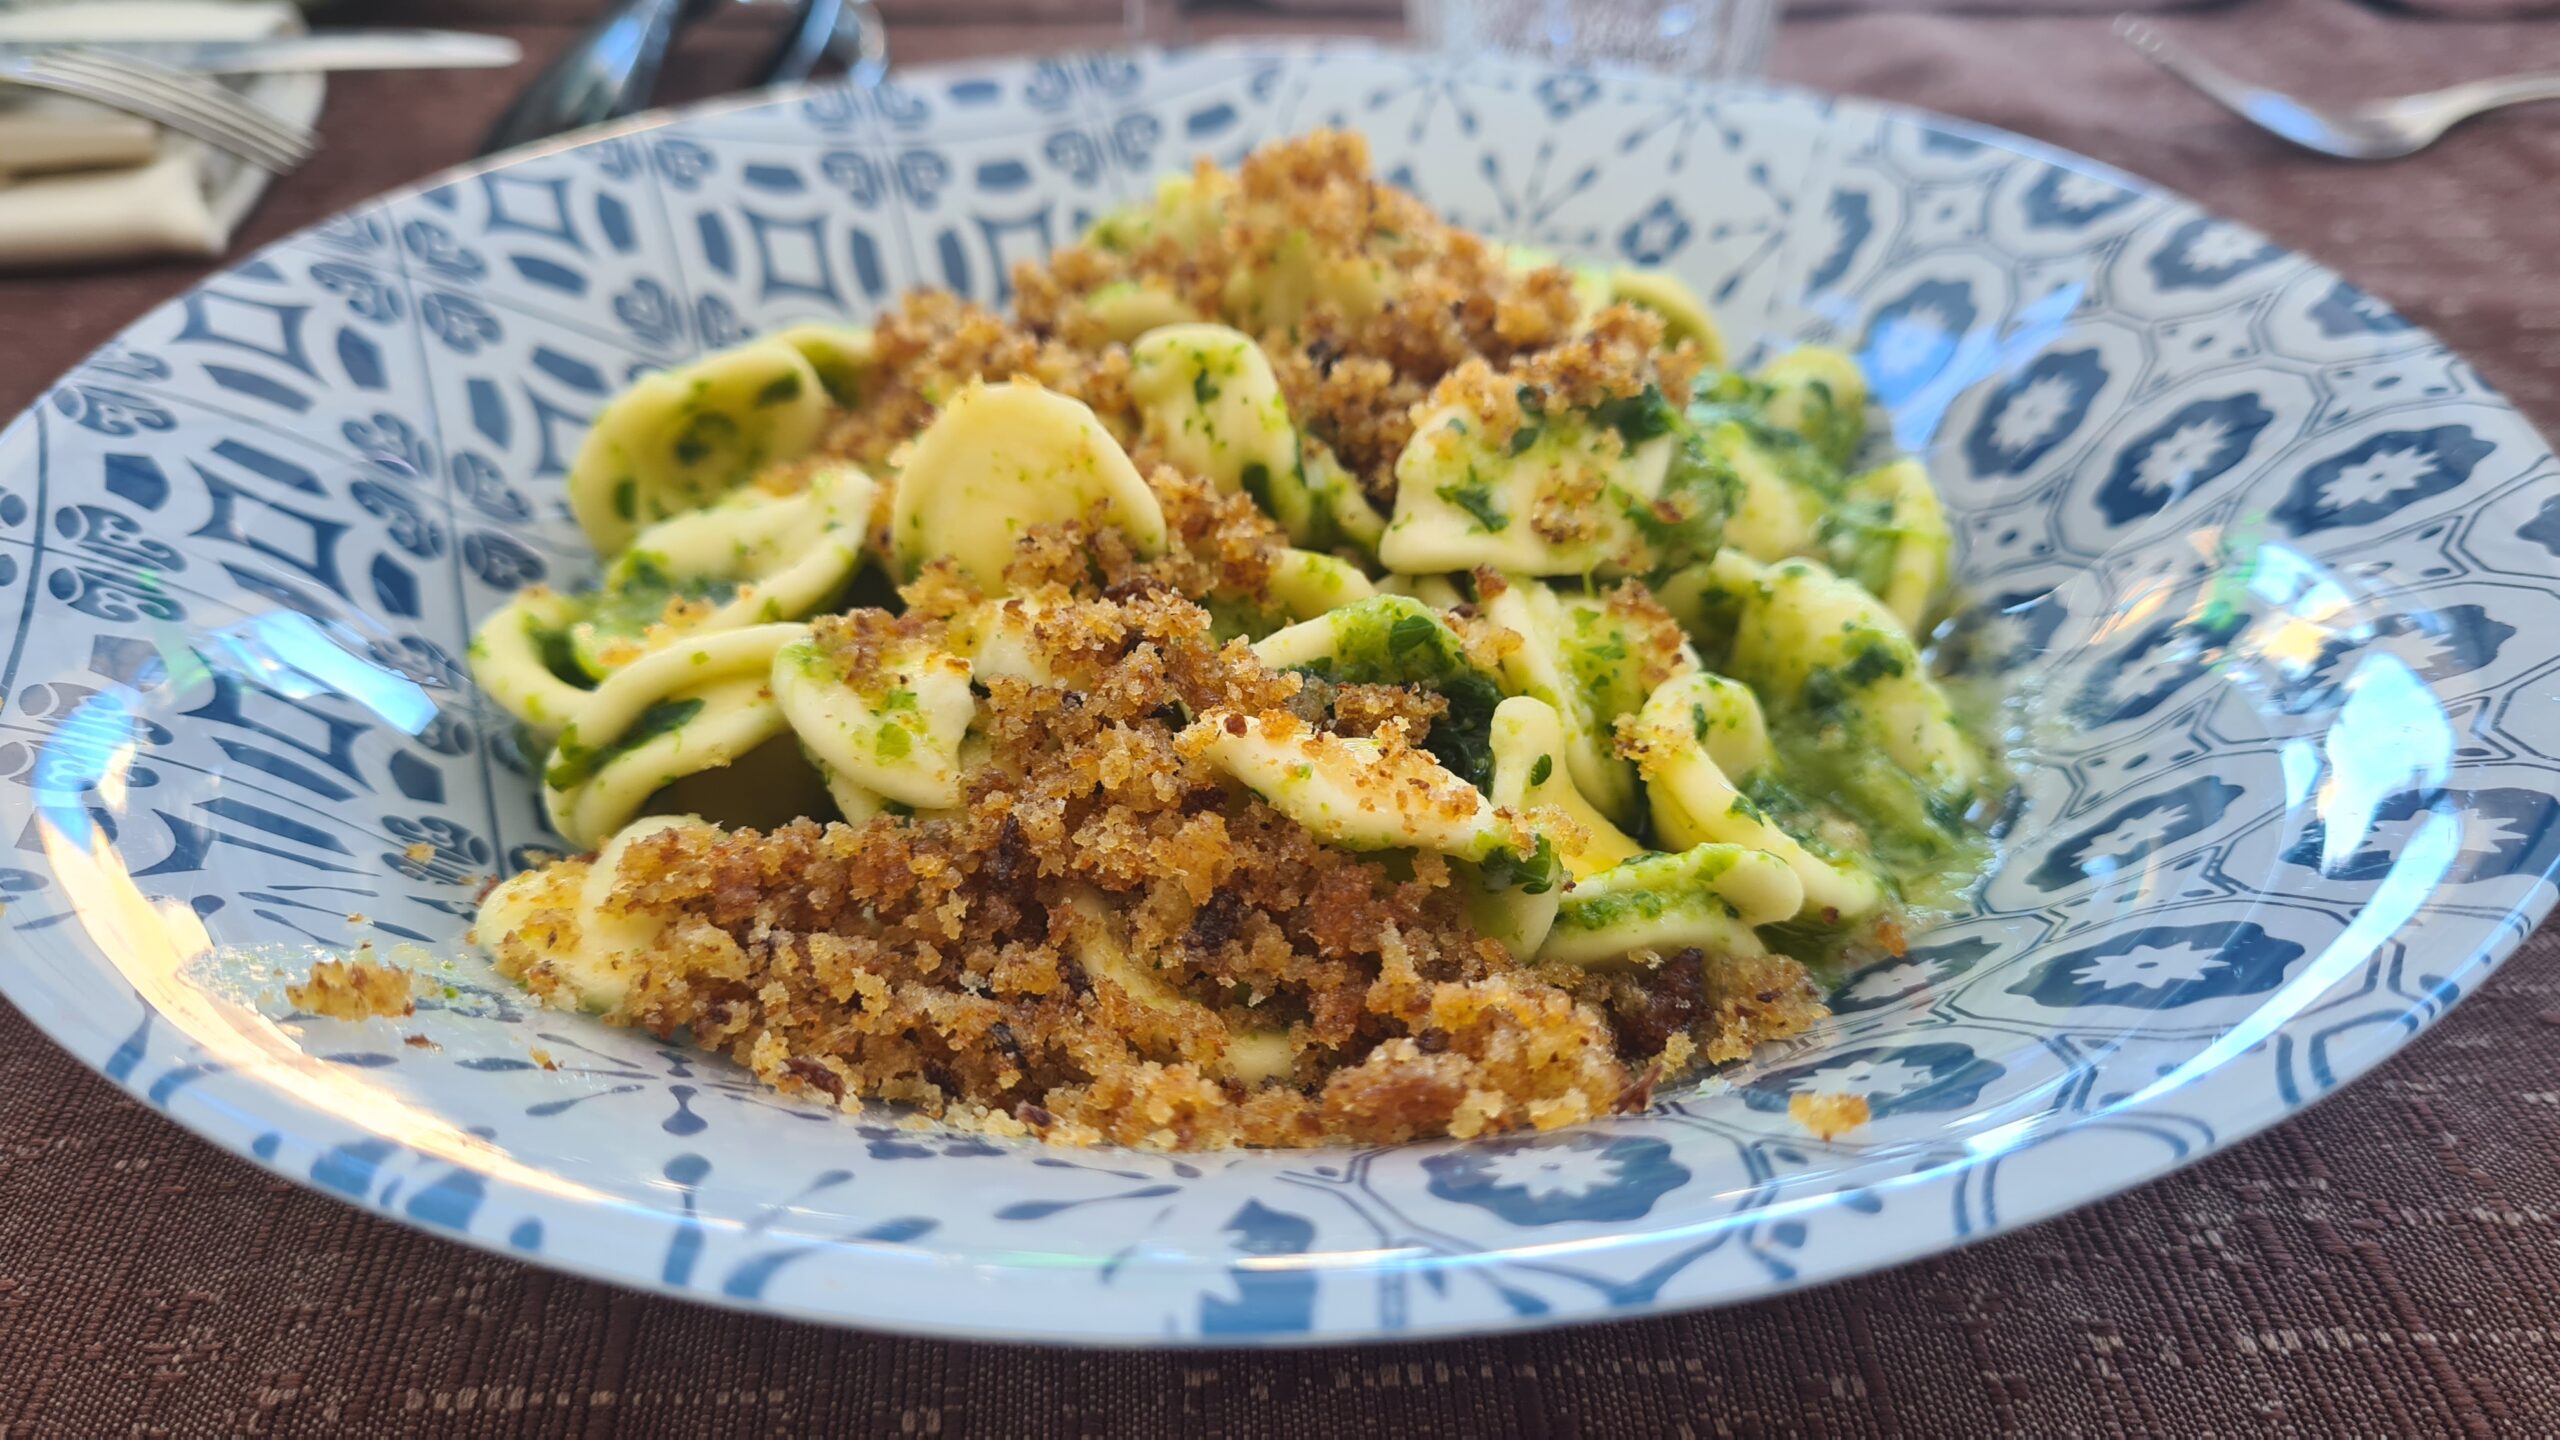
(188, 104)
(2376, 130)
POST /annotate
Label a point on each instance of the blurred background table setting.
(2380, 1265)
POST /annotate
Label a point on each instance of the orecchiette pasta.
(1709, 896)
(1001, 459)
(753, 557)
(1702, 744)
(701, 704)
(897, 735)
(680, 439)
(1323, 676)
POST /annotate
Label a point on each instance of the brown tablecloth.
(2387, 1264)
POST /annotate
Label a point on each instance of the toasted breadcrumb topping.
(354, 989)
(943, 961)
(1109, 939)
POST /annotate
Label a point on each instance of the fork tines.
(187, 103)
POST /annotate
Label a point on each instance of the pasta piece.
(1813, 642)
(1184, 209)
(1210, 404)
(1684, 315)
(842, 356)
(1542, 667)
(1891, 537)
(561, 930)
(1102, 951)
(1618, 648)
(1820, 394)
(1708, 896)
(1371, 794)
(1700, 742)
(1337, 513)
(1288, 278)
(1437, 591)
(996, 639)
(680, 439)
(1579, 498)
(855, 802)
(1000, 459)
(1527, 775)
(1355, 791)
(1591, 287)
(1127, 309)
(897, 734)
(696, 706)
(1300, 277)
(520, 657)
(1399, 640)
(1778, 509)
(1306, 583)
(751, 558)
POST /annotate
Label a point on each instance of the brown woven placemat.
(2384, 1265)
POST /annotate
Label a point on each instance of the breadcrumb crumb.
(1828, 1116)
(354, 989)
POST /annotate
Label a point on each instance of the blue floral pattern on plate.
(2266, 557)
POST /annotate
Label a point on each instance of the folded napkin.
(80, 183)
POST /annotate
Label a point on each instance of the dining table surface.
(2388, 1263)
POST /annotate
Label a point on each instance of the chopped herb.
(626, 498)
(1532, 874)
(780, 390)
(575, 763)
(898, 699)
(1699, 725)
(1256, 479)
(703, 435)
(1540, 772)
(558, 656)
(892, 743)
(1524, 437)
(1203, 389)
(1873, 662)
(1476, 498)
(1637, 418)
(1410, 632)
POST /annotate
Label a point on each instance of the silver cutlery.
(365, 49)
(188, 104)
(612, 69)
(2375, 130)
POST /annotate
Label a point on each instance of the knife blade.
(367, 49)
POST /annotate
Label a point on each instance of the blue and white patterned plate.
(2277, 567)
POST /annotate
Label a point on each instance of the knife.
(374, 49)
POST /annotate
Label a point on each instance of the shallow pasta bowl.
(2269, 563)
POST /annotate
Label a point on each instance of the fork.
(185, 103)
(2376, 130)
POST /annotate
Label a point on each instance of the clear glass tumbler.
(1705, 38)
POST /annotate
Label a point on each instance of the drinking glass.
(1704, 38)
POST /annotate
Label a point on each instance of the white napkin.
(83, 184)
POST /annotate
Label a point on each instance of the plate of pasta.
(1264, 694)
